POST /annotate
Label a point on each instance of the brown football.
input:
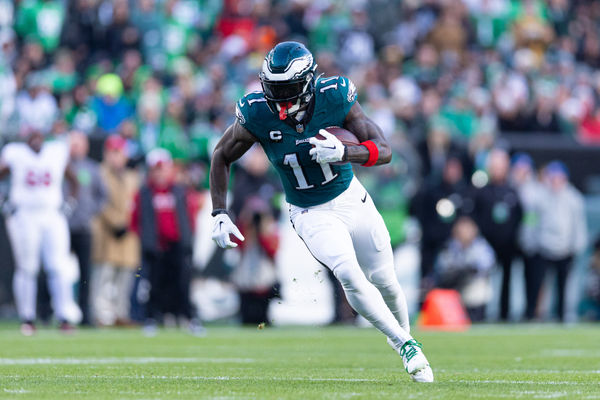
(345, 136)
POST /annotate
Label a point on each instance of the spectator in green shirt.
(41, 20)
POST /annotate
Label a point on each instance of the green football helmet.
(288, 79)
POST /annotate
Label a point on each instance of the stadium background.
(479, 72)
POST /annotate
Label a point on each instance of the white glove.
(222, 228)
(326, 150)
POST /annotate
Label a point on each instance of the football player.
(329, 209)
(38, 227)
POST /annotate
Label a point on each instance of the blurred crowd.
(443, 79)
(166, 73)
(516, 212)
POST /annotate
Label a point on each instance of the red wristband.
(373, 153)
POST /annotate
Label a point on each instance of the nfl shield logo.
(299, 128)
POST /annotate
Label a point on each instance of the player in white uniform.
(38, 229)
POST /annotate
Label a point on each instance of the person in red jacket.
(163, 217)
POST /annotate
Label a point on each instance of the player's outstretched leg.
(368, 302)
(374, 252)
(328, 239)
(414, 360)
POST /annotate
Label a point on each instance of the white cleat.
(414, 360)
(424, 375)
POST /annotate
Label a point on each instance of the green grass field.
(520, 361)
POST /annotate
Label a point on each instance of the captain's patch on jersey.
(276, 136)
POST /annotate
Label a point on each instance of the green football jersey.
(306, 183)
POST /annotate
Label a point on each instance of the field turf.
(514, 361)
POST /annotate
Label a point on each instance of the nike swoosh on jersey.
(364, 199)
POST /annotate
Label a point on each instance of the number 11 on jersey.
(292, 160)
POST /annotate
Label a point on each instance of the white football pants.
(36, 235)
(348, 236)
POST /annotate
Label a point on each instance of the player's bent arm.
(365, 129)
(235, 142)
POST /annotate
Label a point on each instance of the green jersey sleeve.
(347, 94)
(340, 93)
(251, 111)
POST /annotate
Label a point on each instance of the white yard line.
(120, 360)
(299, 379)
(305, 379)
(512, 371)
(517, 382)
(255, 378)
(16, 391)
(539, 394)
(571, 353)
(527, 395)
(196, 378)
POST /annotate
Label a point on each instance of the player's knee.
(384, 279)
(349, 275)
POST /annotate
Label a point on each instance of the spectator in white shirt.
(562, 230)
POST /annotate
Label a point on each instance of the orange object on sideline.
(443, 310)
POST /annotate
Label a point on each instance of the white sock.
(25, 292)
(366, 300)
